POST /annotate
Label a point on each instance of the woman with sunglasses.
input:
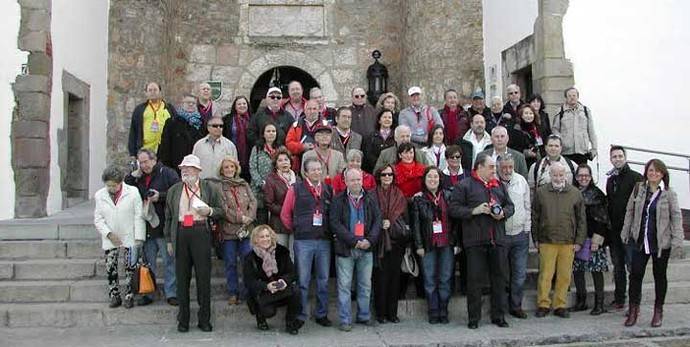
(389, 251)
(434, 235)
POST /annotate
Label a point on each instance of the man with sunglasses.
(363, 114)
(213, 148)
(419, 117)
(514, 101)
(271, 112)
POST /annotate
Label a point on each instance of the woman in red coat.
(354, 161)
(408, 172)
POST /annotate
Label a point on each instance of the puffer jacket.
(576, 129)
(124, 219)
(669, 225)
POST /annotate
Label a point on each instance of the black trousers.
(387, 283)
(293, 303)
(483, 261)
(581, 286)
(193, 250)
(620, 258)
(637, 270)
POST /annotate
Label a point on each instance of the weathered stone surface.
(54, 269)
(33, 106)
(277, 20)
(205, 54)
(198, 72)
(84, 249)
(21, 231)
(34, 41)
(40, 64)
(32, 83)
(6, 271)
(29, 182)
(29, 206)
(34, 291)
(228, 55)
(35, 19)
(36, 4)
(227, 74)
(30, 153)
(78, 232)
(32, 249)
(29, 129)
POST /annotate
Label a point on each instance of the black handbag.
(400, 231)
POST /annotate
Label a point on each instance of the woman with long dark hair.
(408, 172)
(235, 126)
(652, 229)
(261, 165)
(538, 105)
(379, 140)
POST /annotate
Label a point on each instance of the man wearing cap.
(363, 114)
(300, 137)
(188, 205)
(479, 106)
(420, 118)
(295, 104)
(331, 160)
(272, 112)
(213, 148)
(454, 118)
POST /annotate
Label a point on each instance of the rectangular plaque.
(286, 20)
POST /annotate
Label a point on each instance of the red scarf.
(450, 122)
(492, 183)
(241, 121)
(440, 213)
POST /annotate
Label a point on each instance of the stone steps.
(72, 314)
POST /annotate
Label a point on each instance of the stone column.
(31, 118)
(443, 47)
(552, 72)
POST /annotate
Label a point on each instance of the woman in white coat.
(118, 218)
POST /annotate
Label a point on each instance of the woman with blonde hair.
(240, 212)
(270, 278)
(388, 101)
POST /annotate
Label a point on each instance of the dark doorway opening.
(523, 78)
(75, 175)
(279, 76)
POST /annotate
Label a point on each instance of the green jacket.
(210, 194)
(559, 217)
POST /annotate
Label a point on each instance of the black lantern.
(377, 74)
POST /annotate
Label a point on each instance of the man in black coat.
(153, 180)
(180, 134)
(620, 184)
(157, 107)
(482, 203)
(356, 222)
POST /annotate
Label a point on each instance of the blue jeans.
(233, 249)
(518, 251)
(362, 263)
(152, 247)
(438, 270)
(315, 253)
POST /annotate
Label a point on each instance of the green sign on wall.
(216, 89)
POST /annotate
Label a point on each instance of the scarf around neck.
(192, 118)
(270, 266)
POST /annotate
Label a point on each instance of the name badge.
(420, 131)
(317, 219)
(188, 220)
(539, 141)
(438, 227)
(154, 126)
(359, 229)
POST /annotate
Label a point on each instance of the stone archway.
(280, 76)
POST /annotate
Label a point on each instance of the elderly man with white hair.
(559, 228)
(403, 134)
(514, 101)
(499, 148)
(207, 108)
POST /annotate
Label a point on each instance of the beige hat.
(414, 90)
(191, 161)
(274, 90)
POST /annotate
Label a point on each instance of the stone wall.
(443, 47)
(31, 118)
(182, 43)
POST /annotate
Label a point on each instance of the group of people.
(300, 188)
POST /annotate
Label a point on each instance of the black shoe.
(473, 325)
(324, 322)
(542, 312)
(519, 313)
(501, 323)
(115, 301)
(144, 300)
(261, 324)
(580, 304)
(443, 320)
(207, 328)
(293, 327)
(172, 301)
(561, 312)
(128, 303)
(434, 320)
(292, 331)
(381, 320)
(182, 328)
(394, 320)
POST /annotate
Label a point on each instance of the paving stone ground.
(580, 330)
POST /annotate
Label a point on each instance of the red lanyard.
(325, 162)
(233, 190)
(206, 109)
(357, 203)
(270, 150)
(435, 199)
(116, 197)
(189, 198)
(315, 193)
(280, 176)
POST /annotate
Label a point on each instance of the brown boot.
(658, 316)
(633, 312)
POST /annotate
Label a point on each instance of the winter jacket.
(336, 163)
(255, 278)
(162, 178)
(177, 141)
(355, 142)
(518, 189)
(123, 219)
(339, 219)
(576, 128)
(559, 216)
(619, 186)
(421, 124)
(431, 157)
(136, 130)
(282, 119)
(260, 166)
(390, 156)
(274, 191)
(467, 195)
(372, 146)
(422, 221)
(238, 201)
(518, 159)
(669, 224)
(363, 119)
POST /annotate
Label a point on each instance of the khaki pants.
(559, 259)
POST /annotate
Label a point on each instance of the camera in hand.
(496, 209)
(280, 285)
(150, 193)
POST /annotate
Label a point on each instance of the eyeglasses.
(274, 97)
(359, 96)
(216, 125)
(387, 174)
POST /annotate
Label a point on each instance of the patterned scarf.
(192, 118)
(270, 266)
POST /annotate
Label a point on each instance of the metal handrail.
(671, 154)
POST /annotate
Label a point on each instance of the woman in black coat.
(379, 140)
(270, 276)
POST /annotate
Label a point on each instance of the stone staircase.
(52, 274)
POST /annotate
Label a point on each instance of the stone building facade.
(434, 44)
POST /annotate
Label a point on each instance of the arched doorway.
(280, 76)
